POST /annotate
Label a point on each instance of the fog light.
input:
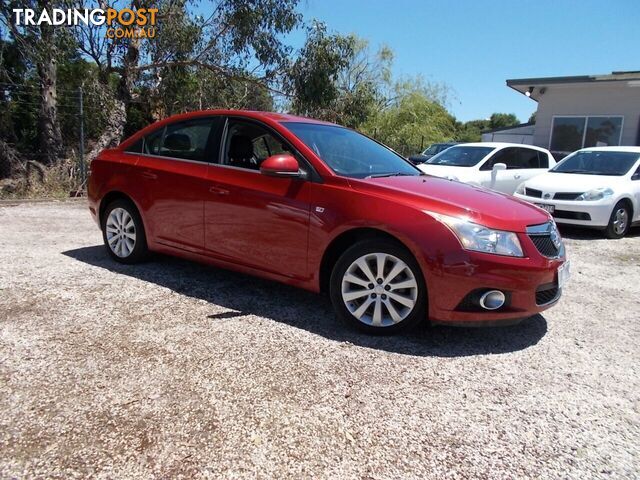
(492, 300)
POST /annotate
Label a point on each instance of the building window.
(573, 133)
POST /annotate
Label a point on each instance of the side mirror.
(283, 165)
(494, 172)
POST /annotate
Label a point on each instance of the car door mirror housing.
(499, 166)
(494, 173)
(283, 165)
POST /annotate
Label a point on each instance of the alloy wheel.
(121, 232)
(379, 289)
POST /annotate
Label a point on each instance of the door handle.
(516, 175)
(149, 175)
(219, 191)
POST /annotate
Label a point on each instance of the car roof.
(502, 145)
(611, 149)
(273, 116)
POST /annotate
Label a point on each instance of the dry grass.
(38, 181)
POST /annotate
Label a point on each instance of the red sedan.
(324, 208)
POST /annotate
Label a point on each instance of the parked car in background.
(432, 150)
(499, 166)
(593, 187)
(322, 207)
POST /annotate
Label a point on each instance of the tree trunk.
(117, 118)
(9, 160)
(49, 136)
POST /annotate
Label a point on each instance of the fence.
(22, 103)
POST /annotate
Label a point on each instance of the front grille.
(566, 195)
(546, 294)
(532, 192)
(571, 215)
(545, 245)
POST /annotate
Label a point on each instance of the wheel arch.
(346, 239)
(629, 202)
(112, 196)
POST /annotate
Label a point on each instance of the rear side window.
(529, 158)
(184, 140)
(153, 142)
(543, 160)
(136, 147)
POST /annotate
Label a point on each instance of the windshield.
(350, 153)
(597, 163)
(436, 148)
(460, 156)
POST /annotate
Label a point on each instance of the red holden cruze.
(322, 207)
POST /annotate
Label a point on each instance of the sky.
(473, 46)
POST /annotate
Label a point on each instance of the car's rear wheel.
(619, 222)
(377, 286)
(123, 232)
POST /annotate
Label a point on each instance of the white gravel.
(177, 370)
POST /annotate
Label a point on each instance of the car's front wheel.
(123, 232)
(619, 222)
(377, 286)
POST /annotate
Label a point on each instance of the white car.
(594, 187)
(499, 166)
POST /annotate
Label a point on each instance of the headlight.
(479, 238)
(520, 189)
(596, 194)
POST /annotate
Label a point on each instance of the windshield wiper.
(392, 174)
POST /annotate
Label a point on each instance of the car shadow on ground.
(244, 295)
(581, 233)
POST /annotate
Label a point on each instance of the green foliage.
(413, 120)
(471, 131)
(313, 76)
(501, 120)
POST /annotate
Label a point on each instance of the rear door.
(173, 171)
(532, 162)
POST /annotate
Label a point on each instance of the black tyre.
(123, 232)
(619, 222)
(378, 287)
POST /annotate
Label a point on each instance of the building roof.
(523, 85)
(512, 127)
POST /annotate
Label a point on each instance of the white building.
(581, 111)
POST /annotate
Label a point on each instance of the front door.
(522, 164)
(250, 218)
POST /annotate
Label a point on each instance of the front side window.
(248, 144)
(597, 163)
(573, 133)
(350, 153)
(461, 156)
(508, 156)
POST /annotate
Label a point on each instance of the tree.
(40, 46)
(412, 119)
(501, 120)
(239, 42)
(312, 80)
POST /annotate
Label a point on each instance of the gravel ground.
(172, 369)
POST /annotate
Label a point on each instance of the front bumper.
(588, 214)
(528, 284)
